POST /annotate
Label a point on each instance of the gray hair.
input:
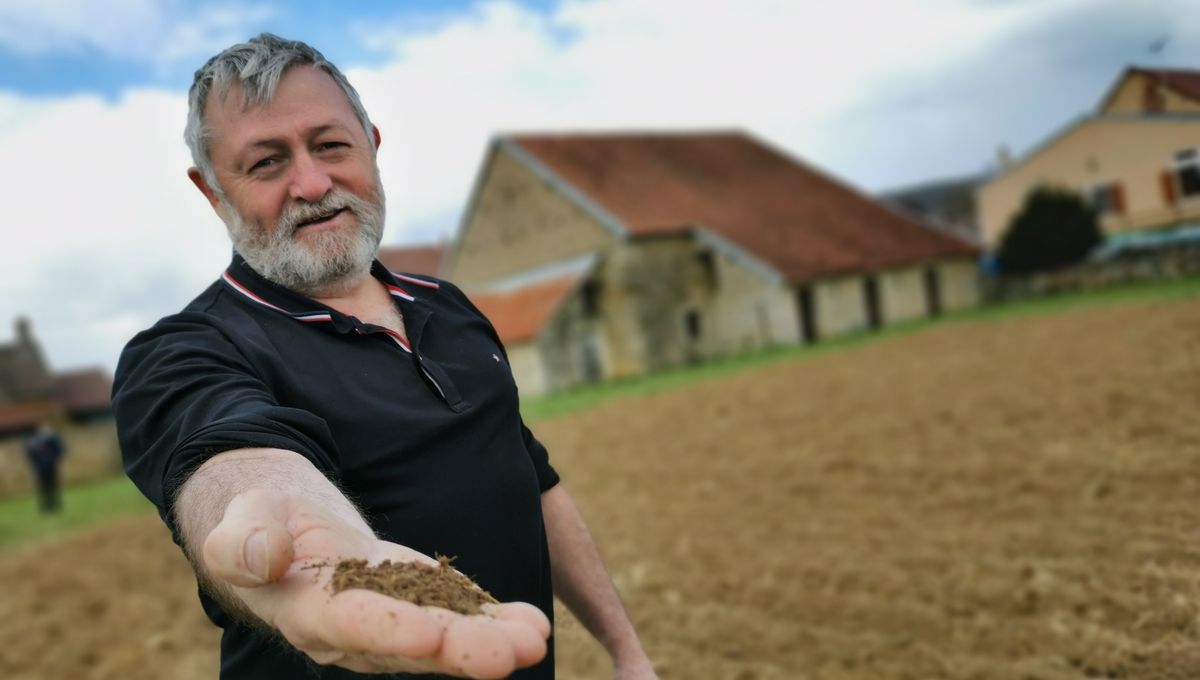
(256, 65)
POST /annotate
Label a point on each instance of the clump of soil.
(440, 586)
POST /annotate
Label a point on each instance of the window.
(1107, 199)
(1186, 169)
(691, 322)
(708, 268)
(590, 296)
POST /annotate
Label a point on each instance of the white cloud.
(102, 225)
(104, 233)
(156, 31)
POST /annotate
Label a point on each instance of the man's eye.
(326, 146)
(264, 163)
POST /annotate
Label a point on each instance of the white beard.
(327, 261)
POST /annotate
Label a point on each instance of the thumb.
(251, 546)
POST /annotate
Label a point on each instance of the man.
(310, 406)
(44, 449)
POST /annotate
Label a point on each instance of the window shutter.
(1118, 198)
(1167, 180)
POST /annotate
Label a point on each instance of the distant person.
(45, 450)
(311, 406)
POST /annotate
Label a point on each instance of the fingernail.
(255, 555)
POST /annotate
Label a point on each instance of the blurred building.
(424, 260)
(947, 204)
(612, 255)
(1137, 158)
(31, 394)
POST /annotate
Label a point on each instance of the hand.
(261, 548)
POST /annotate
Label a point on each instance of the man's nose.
(310, 181)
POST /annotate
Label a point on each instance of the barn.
(601, 256)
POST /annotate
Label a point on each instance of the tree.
(1055, 228)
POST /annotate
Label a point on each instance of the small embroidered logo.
(496, 358)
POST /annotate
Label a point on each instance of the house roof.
(518, 314)
(1185, 82)
(422, 260)
(797, 220)
(26, 415)
(84, 390)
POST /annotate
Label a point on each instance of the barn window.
(691, 322)
(708, 267)
(589, 296)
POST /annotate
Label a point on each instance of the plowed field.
(1009, 499)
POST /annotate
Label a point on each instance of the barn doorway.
(808, 314)
(871, 302)
(933, 292)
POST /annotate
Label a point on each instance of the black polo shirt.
(426, 437)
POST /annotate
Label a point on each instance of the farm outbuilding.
(641, 252)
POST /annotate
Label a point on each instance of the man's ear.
(375, 133)
(197, 178)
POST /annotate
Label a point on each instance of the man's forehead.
(304, 95)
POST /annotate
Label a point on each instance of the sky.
(104, 234)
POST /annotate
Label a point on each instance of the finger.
(476, 647)
(523, 612)
(363, 622)
(528, 646)
(251, 546)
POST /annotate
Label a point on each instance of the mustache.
(330, 203)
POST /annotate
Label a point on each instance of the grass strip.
(83, 505)
(553, 406)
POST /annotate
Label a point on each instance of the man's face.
(298, 185)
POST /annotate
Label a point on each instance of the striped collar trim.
(323, 316)
(414, 280)
(307, 317)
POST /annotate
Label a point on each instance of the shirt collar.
(252, 287)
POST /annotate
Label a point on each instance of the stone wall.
(519, 222)
(1161, 264)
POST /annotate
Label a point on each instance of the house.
(1137, 158)
(31, 394)
(602, 256)
(947, 204)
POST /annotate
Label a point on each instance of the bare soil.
(1012, 499)
(428, 586)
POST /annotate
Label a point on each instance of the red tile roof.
(423, 260)
(520, 314)
(1184, 81)
(85, 390)
(801, 222)
(27, 415)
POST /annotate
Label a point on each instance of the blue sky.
(104, 233)
(72, 60)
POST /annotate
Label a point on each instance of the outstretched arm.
(583, 584)
(252, 520)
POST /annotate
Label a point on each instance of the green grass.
(84, 505)
(92, 504)
(585, 397)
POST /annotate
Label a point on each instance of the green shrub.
(1055, 228)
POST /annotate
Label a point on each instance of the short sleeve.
(184, 393)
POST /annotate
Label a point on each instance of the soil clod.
(424, 585)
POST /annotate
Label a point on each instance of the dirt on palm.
(428, 586)
(1009, 499)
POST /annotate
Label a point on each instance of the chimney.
(24, 330)
(1004, 158)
